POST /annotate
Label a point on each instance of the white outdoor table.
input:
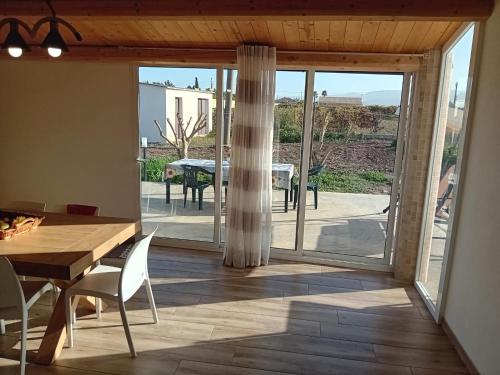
(282, 174)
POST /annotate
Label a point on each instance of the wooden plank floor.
(285, 318)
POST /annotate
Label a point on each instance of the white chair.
(16, 298)
(27, 206)
(117, 284)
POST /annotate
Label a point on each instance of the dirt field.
(372, 154)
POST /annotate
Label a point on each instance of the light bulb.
(54, 52)
(15, 51)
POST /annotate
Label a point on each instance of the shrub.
(155, 167)
(290, 135)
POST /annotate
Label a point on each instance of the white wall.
(473, 302)
(189, 106)
(158, 103)
(152, 106)
(69, 134)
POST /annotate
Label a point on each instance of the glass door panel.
(176, 123)
(444, 166)
(228, 104)
(351, 169)
(287, 149)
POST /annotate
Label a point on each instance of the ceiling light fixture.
(14, 42)
(54, 42)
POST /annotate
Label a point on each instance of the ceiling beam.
(359, 62)
(453, 10)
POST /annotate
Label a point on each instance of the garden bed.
(360, 166)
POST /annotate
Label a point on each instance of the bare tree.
(182, 141)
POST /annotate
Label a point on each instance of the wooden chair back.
(81, 209)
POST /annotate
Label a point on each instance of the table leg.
(167, 191)
(55, 334)
(286, 200)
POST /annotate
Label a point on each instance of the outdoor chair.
(311, 186)
(16, 298)
(117, 284)
(191, 181)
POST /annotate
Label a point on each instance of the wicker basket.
(27, 225)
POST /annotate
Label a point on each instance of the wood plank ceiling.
(404, 37)
(362, 34)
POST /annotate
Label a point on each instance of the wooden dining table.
(63, 248)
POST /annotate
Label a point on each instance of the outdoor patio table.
(63, 248)
(282, 174)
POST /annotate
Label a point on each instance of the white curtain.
(249, 204)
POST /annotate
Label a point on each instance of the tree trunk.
(184, 150)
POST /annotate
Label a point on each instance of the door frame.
(378, 264)
(437, 310)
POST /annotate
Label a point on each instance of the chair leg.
(295, 197)
(167, 191)
(55, 290)
(2, 327)
(126, 327)
(74, 306)
(151, 299)
(193, 194)
(185, 197)
(200, 199)
(315, 198)
(98, 307)
(69, 318)
(291, 194)
(24, 334)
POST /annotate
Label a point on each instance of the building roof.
(340, 100)
(200, 91)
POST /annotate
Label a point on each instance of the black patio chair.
(311, 186)
(191, 181)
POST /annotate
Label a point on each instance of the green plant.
(290, 135)
(155, 168)
(374, 176)
(350, 181)
(450, 155)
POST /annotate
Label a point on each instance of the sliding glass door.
(356, 144)
(177, 127)
(337, 149)
(444, 169)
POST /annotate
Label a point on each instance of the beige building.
(159, 102)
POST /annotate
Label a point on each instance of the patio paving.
(344, 223)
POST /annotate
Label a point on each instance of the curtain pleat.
(249, 202)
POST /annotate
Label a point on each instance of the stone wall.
(416, 166)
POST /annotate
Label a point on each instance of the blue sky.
(292, 84)
(288, 83)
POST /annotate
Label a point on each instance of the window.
(444, 170)
(203, 110)
(179, 112)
